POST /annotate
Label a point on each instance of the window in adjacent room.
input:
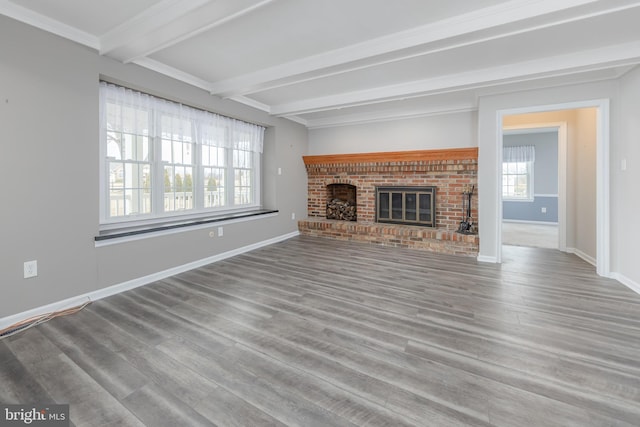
(161, 159)
(517, 173)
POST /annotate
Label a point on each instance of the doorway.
(535, 216)
(583, 218)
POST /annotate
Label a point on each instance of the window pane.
(383, 211)
(242, 193)
(410, 206)
(516, 180)
(396, 205)
(242, 159)
(425, 207)
(214, 195)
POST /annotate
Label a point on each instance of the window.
(162, 159)
(517, 173)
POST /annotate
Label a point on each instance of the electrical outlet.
(30, 269)
(544, 210)
(293, 215)
(220, 232)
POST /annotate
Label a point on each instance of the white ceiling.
(334, 62)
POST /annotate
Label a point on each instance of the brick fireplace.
(450, 171)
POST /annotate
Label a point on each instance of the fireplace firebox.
(341, 202)
(406, 205)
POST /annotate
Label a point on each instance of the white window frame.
(529, 196)
(158, 214)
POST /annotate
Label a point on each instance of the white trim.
(523, 221)
(603, 189)
(172, 72)
(561, 65)
(185, 229)
(545, 195)
(251, 103)
(45, 23)
(634, 286)
(141, 281)
(168, 23)
(582, 255)
(489, 259)
(527, 200)
(518, 130)
(389, 48)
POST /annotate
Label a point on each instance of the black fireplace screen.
(406, 205)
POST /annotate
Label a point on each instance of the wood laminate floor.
(316, 332)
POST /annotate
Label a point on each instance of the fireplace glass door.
(406, 205)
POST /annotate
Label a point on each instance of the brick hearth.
(448, 170)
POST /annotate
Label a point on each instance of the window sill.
(133, 232)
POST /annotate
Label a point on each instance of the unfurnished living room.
(320, 213)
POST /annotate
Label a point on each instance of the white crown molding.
(45, 23)
(162, 68)
(298, 120)
(491, 17)
(251, 103)
(590, 60)
(175, 21)
(384, 116)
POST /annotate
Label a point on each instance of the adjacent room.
(319, 213)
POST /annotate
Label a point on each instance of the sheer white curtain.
(519, 154)
(128, 111)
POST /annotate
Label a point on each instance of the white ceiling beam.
(313, 67)
(45, 23)
(169, 23)
(172, 72)
(589, 60)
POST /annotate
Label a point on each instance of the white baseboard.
(489, 259)
(634, 286)
(582, 255)
(131, 284)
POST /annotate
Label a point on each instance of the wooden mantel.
(395, 156)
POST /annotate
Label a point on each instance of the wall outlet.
(220, 231)
(30, 269)
(544, 210)
(293, 215)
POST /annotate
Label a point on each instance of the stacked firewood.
(341, 209)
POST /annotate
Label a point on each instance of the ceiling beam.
(388, 48)
(170, 22)
(589, 60)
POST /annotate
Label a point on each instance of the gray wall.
(545, 179)
(424, 133)
(624, 182)
(49, 131)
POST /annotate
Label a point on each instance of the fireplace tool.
(466, 225)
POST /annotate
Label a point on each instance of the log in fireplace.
(406, 205)
(341, 202)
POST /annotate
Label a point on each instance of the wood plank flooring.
(316, 332)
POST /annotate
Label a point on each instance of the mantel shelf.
(394, 156)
